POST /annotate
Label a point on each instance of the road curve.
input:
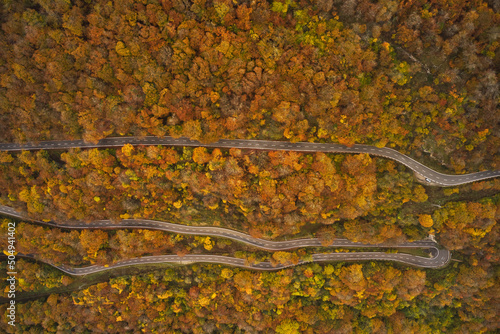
(425, 173)
(413, 260)
(440, 257)
(417, 261)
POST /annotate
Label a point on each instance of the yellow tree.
(92, 241)
(425, 220)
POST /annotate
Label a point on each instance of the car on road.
(427, 180)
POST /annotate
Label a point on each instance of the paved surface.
(440, 257)
(417, 261)
(425, 173)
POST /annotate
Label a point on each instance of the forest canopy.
(419, 76)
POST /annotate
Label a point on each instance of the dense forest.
(266, 194)
(418, 76)
(364, 297)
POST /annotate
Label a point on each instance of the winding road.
(423, 173)
(440, 257)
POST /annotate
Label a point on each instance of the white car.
(427, 180)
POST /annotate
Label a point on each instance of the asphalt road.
(417, 261)
(440, 258)
(424, 173)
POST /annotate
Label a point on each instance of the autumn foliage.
(415, 75)
(418, 76)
